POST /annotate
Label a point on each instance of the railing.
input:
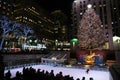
(19, 66)
(56, 65)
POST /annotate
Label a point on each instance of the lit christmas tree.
(90, 32)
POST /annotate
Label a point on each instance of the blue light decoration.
(98, 59)
(82, 59)
(7, 26)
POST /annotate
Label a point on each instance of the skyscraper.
(6, 9)
(108, 10)
(30, 13)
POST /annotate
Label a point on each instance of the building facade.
(28, 12)
(6, 9)
(108, 10)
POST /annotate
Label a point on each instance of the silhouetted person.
(91, 78)
(59, 76)
(52, 75)
(77, 79)
(8, 75)
(18, 75)
(83, 78)
(87, 71)
(2, 67)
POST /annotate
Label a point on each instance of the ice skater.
(87, 71)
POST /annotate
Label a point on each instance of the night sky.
(51, 5)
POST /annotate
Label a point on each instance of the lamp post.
(56, 44)
(74, 42)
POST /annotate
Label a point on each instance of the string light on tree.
(90, 33)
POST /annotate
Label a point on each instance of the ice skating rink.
(75, 72)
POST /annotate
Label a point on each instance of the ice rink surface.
(75, 72)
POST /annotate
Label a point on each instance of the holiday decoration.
(90, 31)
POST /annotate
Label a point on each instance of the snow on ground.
(75, 72)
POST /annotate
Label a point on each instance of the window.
(80, 6)
(4, 2)
(81, 13)
(100, 5)
(80, 2)
(106, 27)
(94, 5)
(84, 6)
(7, 13)
(74, 4)
(84, 2)
(8, 9)
(105, 19)
(105, 12)
(4, 7)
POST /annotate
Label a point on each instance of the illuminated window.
(8, 9)
(39, 21)
(4, 2)
(4, 7)
(104, 5)
(55, 28)
(81, 13)
(56, 31)
(75, 1)
(112, 22)
(100, 5)
(106, 27)
(75, 4)
(94, 6)
(7, 13)
(114, 8)
(33, 8)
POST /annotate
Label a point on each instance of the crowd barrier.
(56, 65)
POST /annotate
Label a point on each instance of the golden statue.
(89, 58)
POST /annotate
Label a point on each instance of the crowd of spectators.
(32, 74)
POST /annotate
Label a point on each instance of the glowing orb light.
(89, 6)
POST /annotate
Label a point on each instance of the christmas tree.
(90, 32)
